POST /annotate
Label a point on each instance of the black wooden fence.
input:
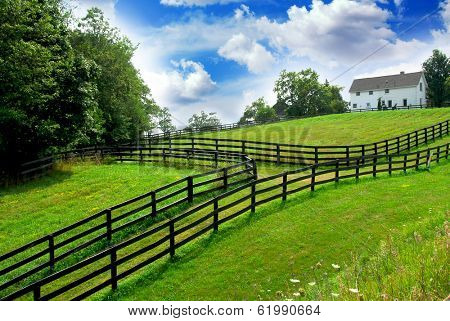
(27, 261)
(303, 154)
(190, 131)
(113, 264)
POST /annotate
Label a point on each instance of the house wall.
(413, 95)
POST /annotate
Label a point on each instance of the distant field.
(386, 235)
(73, 192)
(342, 129)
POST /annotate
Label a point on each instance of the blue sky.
(219, 55)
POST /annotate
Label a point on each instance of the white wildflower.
(354, 290)
(294, 281)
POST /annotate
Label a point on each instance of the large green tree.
(204, 119)
(301, 94)
(46, 95)
(437, 71)
(258, 111)
(123, 98)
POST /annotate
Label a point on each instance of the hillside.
(351, 226)
(340, 129)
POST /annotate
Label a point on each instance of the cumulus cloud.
(247, 52)
(191, 3)
(188, 82)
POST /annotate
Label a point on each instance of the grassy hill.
(342, 129)
(385, 238)
(72, 192)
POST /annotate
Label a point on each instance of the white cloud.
(191, 3)
(242, 11)
(188, 82)
(247, 52)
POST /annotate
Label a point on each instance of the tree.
(204, 120)
(437, 71)
(123, 98)
(258, 111)
(302, 94)
(164, 120)
(47, 100)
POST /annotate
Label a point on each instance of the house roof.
(386, 82)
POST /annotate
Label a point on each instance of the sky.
(220, 55)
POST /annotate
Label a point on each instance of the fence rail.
(30, 259)
(306, 154)
(120, 260)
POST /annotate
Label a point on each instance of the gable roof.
(387, 82)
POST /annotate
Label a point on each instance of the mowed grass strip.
(257, 255)
(341, 129)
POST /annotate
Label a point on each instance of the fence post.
(37, 293)
(153, 196)
(255, 170)
(387, 146)
(440, 130)
(113, 257)
(243, 147)
(347, 151)
(398, 145)
(192, 143)
(336, 177)
(217, 144)
(225, 178)
(284, 186)
(108, 225)
(434, 130)
(190, 189)
(405, 160)
(51, 251)
(390, 165)
(216, 214)
(164, 154)
(374, 170)
(278, 154)
(216, 158)
(313, 177)
(426, 135)
(409, 141)
(446, 151)
(417, 160)
(417, 138)
(316, 155)
(363, 153)
(357, 169)
(172, 238)
(428, 158)
(438, 154)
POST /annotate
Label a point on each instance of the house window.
(358, 93)
(355, 105)
(421, 87)
(405, 102)
(370, 92)
(386, 91)
(368, 105)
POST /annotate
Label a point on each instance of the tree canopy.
(62, 87)
(437, 71)
(258, 111)
(204, 119)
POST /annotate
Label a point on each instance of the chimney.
(402, 72)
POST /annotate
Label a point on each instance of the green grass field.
(387, 236)
(343, 129)
(72, 192)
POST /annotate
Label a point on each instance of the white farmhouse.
(395, 90)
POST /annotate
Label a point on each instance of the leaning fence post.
(216, 214)
(51, 251)
(284, 186)
(190, 189)
(113, 257)
(108, 225)
(172, 238)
